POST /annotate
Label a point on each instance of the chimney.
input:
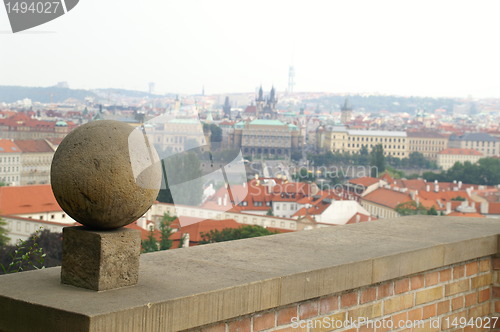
(358, 218)
(436, 186)
(448, 207)
(244, 184)
(459, 184)
(427, 188)
(225, 199)
(185, 243)
(219, 201)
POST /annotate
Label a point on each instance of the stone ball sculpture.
(105, 174)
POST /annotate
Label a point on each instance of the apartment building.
(341, 139)
(448, 157)
(427, 143)
(488, 145)
(10, 163)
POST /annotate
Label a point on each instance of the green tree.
(432, 211)
(410, 208)
(150, 244)
(377, 160)
(4, 238)
(229, 234)
(25, 255)
(166, 231)
(270, 212)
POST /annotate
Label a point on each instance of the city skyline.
(443, 49)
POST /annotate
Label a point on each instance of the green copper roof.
(267, 122)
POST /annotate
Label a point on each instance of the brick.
(285, 315)
(294, 329)
(398, 303)
(399, 319)
(481, 281)
(471, 268)
(447, 321)
(485, 265)
(368, 295)
(431, 278)
(240, 325)
(457, 302)
(457, 287)
(221, 327)
(431, 325)
(445, 275)
(415, 314)
(429, 295)
(443, 307)
(470, 299)
(318, 325)
(429, 311)
(401, 286)
(484, 295)
(495, 292)
(368, 311)
(308, 309)
(496, 263)
(349, 299)
(417, 282)
(480, 310)
(459, 272)
(264, 321)
(328, 304)
(385, 290)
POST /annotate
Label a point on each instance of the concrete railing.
(421, 269)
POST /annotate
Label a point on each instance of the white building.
(10, 163)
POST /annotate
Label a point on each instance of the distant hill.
(10, 94)
(387, 103)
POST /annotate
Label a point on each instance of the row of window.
(9, 159)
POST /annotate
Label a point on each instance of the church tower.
(227, 108)
(346, 112)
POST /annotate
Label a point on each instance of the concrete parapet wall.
(385, 269)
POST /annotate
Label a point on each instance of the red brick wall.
(437, 300)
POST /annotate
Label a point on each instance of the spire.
(347, 105)
(261, 95)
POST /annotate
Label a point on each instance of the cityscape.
(239, 167)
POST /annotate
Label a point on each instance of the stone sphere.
(105, 174)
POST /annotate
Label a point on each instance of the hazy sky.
(437, 48)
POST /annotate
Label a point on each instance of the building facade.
(36, 159)
(448, 157)
(427, 143)
(266, 138)
(341, 139)
(10, 163)
(488, 145)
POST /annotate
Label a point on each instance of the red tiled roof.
(494, 208)
(463, 214)
(33, 145)
(365, 181)
(387, 197)
(8, 146)
(27, 199)
(206, 226)
(456, 151)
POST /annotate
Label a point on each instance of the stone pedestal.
(100, 260)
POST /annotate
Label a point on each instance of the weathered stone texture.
(100, 260)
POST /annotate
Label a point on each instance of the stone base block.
(100, 260)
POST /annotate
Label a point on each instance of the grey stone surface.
(100, 260)
(105, 174)
(184, 288)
